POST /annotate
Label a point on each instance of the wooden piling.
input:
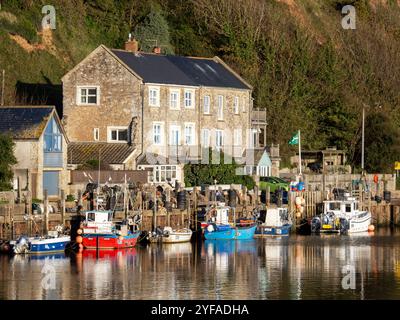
(62, 207)
(46, 211)
(154, 220)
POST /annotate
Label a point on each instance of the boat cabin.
(98, 221)
(220, 214)
(276, 217)
(344, 206)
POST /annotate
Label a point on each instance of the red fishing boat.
(99, 232)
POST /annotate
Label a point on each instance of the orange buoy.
(79, 231)
(371, 227)
(79, 239)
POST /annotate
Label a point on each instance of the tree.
(205, 174)
(154, 31)
(7, 159)
(382, 143)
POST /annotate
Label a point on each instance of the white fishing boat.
(341, 216)
(169, 235)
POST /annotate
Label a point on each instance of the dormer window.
(88, 95)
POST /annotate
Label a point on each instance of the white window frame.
(193, 133)
(237, 137)
(253, 138)
(217, 133)
(192, 99)
(178, 95)
(118, 128)
(205, 143)
(206, 107)
(79, 95)
(96, 134)
(161, 124)
(236, 104)
(155, 103)
(220, 107)
(172, 128)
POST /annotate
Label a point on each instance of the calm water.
(299, 267)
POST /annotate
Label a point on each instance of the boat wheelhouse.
(273, 222)
(101, 233)
(341, 216)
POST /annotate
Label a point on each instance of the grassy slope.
(307, 71)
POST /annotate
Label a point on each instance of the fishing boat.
(55, 241)
(101, 233)
(341, 216)
(273, 222)
(219, 227)
(169, 235)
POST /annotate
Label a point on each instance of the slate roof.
(24, 122)
(178, 70)
(110, 153)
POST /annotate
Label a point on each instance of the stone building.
(159, 111)
(40, 149)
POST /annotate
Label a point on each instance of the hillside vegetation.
(307, 71)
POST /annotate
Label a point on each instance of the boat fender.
(79, 239)
(210, 228)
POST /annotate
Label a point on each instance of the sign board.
(397, 165)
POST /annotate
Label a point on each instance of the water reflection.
(295, 267)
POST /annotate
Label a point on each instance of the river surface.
(365, 266)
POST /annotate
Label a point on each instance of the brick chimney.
(132, 45)
(157, 50)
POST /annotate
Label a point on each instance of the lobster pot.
(181, 200)
(232, 198)
(387, 196)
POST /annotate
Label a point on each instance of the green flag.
(295, 139)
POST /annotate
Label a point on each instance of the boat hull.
(177, 237)
(38, 246)
(265, 231)
(109, 241)
(231, 233)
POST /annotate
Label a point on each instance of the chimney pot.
(132, 45)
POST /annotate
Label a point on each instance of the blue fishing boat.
(273, 222)
(228, 232)
(218, 227)
(53, 242)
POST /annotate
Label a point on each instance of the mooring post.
(46, 211)
(195, 207)
(62, 194)
(207, 195)
(28, 202)
(267, 196)
(256, 195)
(154, 222)
(19, 190)
(79, 198)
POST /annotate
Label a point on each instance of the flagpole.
(299, 153)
